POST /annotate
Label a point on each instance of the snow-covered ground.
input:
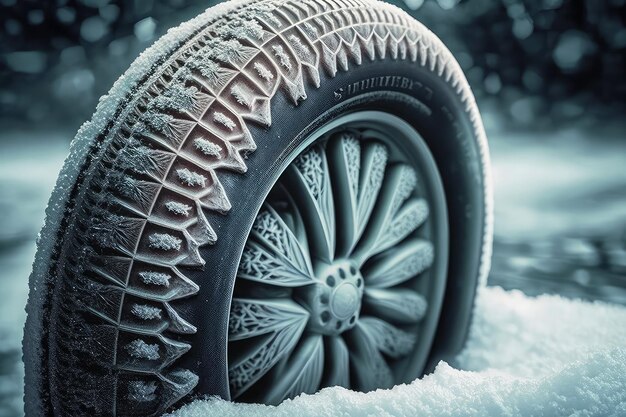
(526, 356)
(545, 356)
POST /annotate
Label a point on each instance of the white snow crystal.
(142, 350)
(282, 56)
(141, 391)
(263, 71)
(164, 241)
(146, 312)
(240, 28)
(178, 208)
(191, 178)
(176, 97)
(155, 278)
(227, 51)
(241, 95)
(543, 356)
(301, 49)
(222, 119)
(207, 147)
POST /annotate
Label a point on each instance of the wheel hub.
(341, 279)
(334, 301)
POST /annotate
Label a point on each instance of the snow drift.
(543, 356)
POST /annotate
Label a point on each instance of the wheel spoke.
(399, 264)
(272, 329)
(390, 340)
(372, 174)
(303, 371)
(388, 224)
(368, 366)
(357, 176)
(344, 159)
(274, 255)
(396, 305)
(309, 184)
(411, 216)
(250, 317)
(338, 363)
(296, 223)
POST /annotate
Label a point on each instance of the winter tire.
(276, 197)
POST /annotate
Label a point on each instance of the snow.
(178, 208)
(142, 350)
(221, 118)
(207, 147)
(155, 278)
(146, 312)
(164, 241)
(141, 391)
(191, 178)
(528, 356)
(263, 71)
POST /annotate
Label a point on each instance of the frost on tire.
(130, 216)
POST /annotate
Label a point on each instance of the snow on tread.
(142, 219)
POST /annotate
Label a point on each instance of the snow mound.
(543, 356)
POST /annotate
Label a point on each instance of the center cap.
(345, 300)
(335, 300)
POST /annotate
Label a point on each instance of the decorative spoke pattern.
(309, 182)
(400, 263)
(273, 254)
(279, 323)
(340, 235)
(304, 371)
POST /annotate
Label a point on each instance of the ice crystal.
(227, 51)
(207, 147)
(178, 208)
(301, 49)
(222, 119)
(262, 12)
(282, 56)
(146, 312)
(140, 391)
(176, 97)
(113, 231)
(263, 71)
(241, 95)
(164, 241)
(241, 29)
(310, 30)
(157, 121)
(190, 178)
(155, 278)
(142, 350)
(208, 68)
(142, 159)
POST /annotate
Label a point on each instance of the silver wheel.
(341, 280)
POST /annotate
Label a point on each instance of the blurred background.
(549, 77)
